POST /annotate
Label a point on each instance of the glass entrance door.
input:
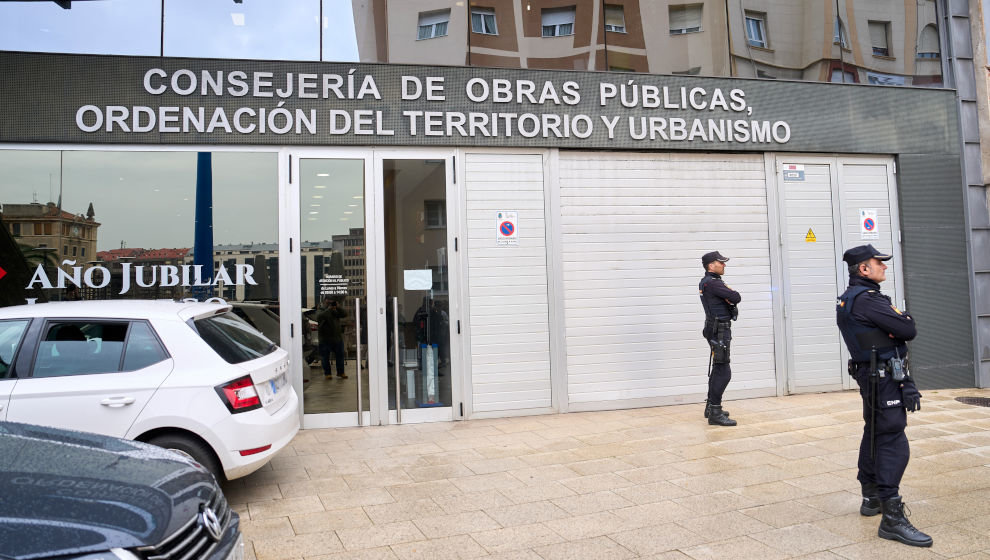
(417, 288)
(374, 289)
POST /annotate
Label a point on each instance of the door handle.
(117, 402)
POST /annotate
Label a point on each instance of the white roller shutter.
(509, 310)
(634, 227)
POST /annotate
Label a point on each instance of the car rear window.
(233, 339)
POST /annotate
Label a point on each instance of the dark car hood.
(64, 492)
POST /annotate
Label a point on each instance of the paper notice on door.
(417, 279)
(869, 227)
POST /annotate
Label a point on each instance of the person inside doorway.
(331, 337)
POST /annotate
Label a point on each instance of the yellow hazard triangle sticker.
(810, 238)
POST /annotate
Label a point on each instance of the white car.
(192, 377)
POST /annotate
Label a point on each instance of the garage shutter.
(509, 310)
(634, 227)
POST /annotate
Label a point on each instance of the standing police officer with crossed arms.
(719, 302)
(875, 332)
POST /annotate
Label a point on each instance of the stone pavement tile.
(516, 538)
(960, 459)
(452, 548)
(798, 451)
(482, 482)
(715, 502)
(834, 503)
(979, 524)
(985, 555)
(239, 494)
(657, 539)
(380, 553)
(752, 458)
(950, 540)
(590, 503)
(286, 461)
(298, 546)
(402, 511)
(808, 466)
(452, 457)
(524, 514)
(852, 526)
(669, 555)
(438, 472)
(501, 464)
(652, 492)
(651, 458)
(456, 524)
(599, 548)
(784, 514)
(595, 483)
(313, 487)
(699, 451)
(423, 490)
(377, 479)
(599, 466)
(882, 548)
(974, 439)
(556, 445)
(706, 483)
(514, 555)
(593, 525)
(772, 492)
(933, 446)
(337, 469)
(823, 555)
(473, 501)
(723, 526)
(563, 457)
(355, 498)
(461, 444)
(281, 476)
(542, 475)
(402, 462)
(797, 540)
(379, 535)
(535, 493)
(739, 548)
(653, 514)
(924, 431)
(282, 508)
(266, 528)
(329, 520)
(657, 473)
(923, 467)
(824, 483)
(706, 465)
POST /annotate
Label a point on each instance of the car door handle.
(117, 402)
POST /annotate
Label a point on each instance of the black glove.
(910, 396)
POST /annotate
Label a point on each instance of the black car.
(80, 496)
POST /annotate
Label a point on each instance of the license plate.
(274, 385)
(237, 553)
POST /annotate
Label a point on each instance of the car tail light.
(246, 452)
(239, 395)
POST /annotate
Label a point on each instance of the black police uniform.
(867, 319)
(718, 301)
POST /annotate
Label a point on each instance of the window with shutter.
(483, 21)
(756, 29)
(685, 18)
(558, 21)
(879, 34)
(615, 19)
(928, 43)
(839, 34)
(433, 24)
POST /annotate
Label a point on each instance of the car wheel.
(191, 448)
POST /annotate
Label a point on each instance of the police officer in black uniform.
(719, 302)
(875, 332)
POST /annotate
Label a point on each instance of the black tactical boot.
(896, 527)
(717, 417)
(871, 502)
(708, 409)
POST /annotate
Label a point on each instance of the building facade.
(509, 200)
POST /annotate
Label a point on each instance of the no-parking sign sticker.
(506, 228)
(869, 226)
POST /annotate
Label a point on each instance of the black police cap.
(864, 253)
(709, 258)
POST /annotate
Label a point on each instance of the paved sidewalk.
(643, 483)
